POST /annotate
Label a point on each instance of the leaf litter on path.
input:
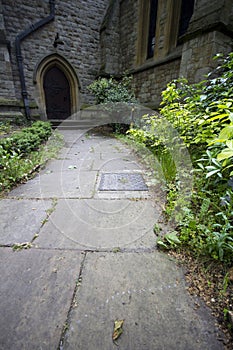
(117, 331)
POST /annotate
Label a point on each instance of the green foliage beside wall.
(19, 153)
(203, 116)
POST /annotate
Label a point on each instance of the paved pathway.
(93, 259)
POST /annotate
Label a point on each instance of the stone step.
(75, 124)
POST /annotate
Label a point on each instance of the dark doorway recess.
(57, 94)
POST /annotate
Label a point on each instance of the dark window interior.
(187, 7)
(152, 28)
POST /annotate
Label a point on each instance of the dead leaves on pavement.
(117, 331)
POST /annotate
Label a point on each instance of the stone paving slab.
(58, 185)
(82, 162)
(95, 145)
(71, 163)
(115, 164)
(20, 220)
(133, 195)
(147, 291)
(99, 224)
(36, 290)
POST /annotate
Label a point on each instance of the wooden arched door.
(57, 94)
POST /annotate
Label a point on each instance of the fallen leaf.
(118, 324)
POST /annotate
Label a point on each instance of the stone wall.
(78, 24)
(150, 82)
(129, 17)
(198, 52)
(6, 78)
(110, 40)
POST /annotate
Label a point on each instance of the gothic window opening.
(187, 7)
(152, 28)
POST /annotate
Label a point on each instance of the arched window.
(152, 28)
(161, 25)
(187, 7)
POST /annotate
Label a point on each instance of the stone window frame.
(170, 35)
(38, 79)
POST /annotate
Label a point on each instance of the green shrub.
(12, 168)
(203, 116)
(113, 94)
(200, 111)
(15, 167)
(28, 139)
(112, 90)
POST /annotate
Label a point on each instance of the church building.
(52, 50)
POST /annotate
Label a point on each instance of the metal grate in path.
(122, 182)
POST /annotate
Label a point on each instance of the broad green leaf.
(225, 154)
(219, 116)
(226, 133)
(222, 106)
(171, 237)
(200, 165)
(225, 164)
(231, 117)
(216, 162)
(216, 141)
(162, 244)
(229, 144)
(210, 167)
(212, 173)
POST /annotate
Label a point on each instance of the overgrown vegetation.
(24, 151)
(113, 94)
(203, 116)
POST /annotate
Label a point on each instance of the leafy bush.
(15, 167)
(12, 168)
(203, 116)
(5, 127)
(112, 90)
(114, 94)
(28, 139)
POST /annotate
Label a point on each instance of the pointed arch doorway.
(58, 87)
(57, 94)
